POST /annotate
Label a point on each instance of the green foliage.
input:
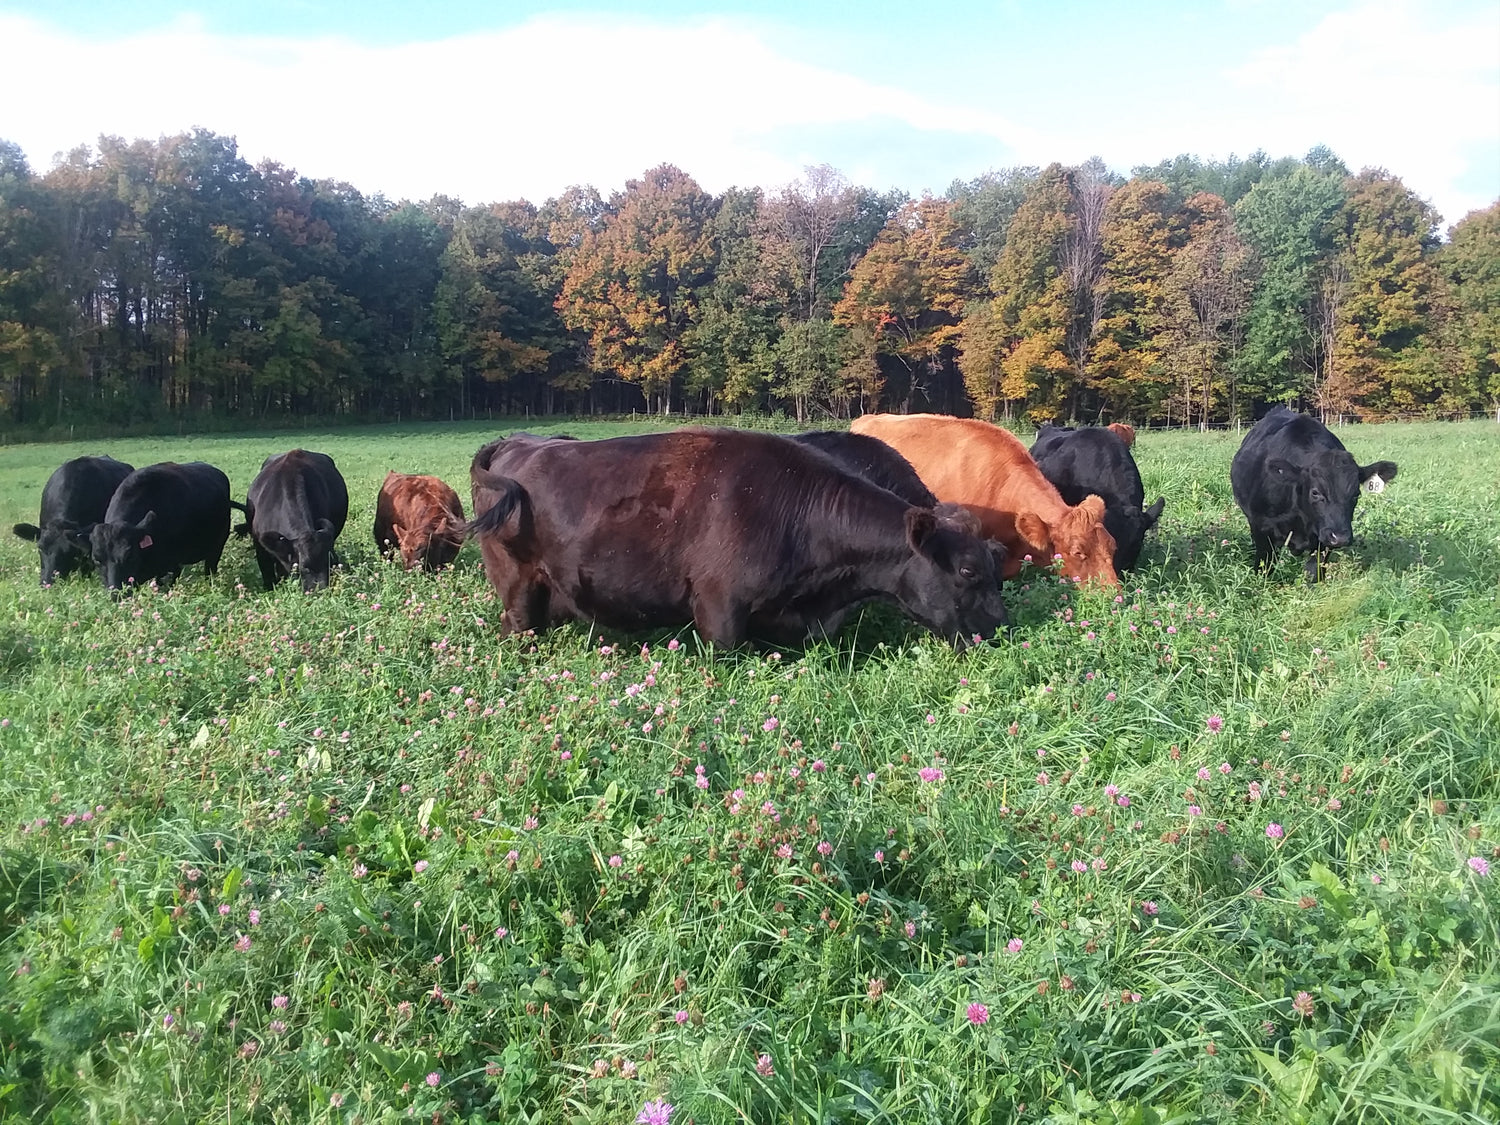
(214, 903)
(1386, 249)
(908, 292)
(633, 286)
(984, 208)
(166, 284)
(1289, 222)
(1471, 266)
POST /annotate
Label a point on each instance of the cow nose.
(1335, 539)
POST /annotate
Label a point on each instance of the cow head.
(951, 582)
(1080, 537)
(1129, 526)
(123, 553)
(1325, 490)
(309, 554)
(432, 547)
(61, 553)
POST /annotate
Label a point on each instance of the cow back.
(295, 489)
(79, 491)
(874, 460)
(972, 463)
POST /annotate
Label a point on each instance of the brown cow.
(1124, 431)
(742, 534)
(422, 517)
(988, 471)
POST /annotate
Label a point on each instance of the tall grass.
(350, 856)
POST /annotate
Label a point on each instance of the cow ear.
(1284, 468)
(28, 531)
(148, 521)
(1034, 530)
(1093, 507)
(921, 525)
(1000, 555)
(324, 532)
(958, 516)
(1153, 513)
(83, 536)
(1385, 470)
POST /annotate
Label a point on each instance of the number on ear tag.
(1375, 484)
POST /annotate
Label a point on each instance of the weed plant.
(1215, 849)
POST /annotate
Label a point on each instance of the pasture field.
(1217, 849)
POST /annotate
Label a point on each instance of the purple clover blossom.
(656, 1112)
(1479, 865)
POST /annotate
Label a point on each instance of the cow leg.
(268, 567)
(211, 560)
(1265, 552)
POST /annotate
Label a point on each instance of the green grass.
(173, 763)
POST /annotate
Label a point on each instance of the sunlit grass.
(505, 894)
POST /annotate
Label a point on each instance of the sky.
(505, 100)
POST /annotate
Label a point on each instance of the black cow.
(1297, 485)
(76, 496)
(1096, 460)
(744, 534)
(297, 506)
(162, 518)
(873, 459)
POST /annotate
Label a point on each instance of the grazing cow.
(1096, 460)
(744, 534)
(872, 459)
(1124, 431)
(421, 517)
(76, 495)
(1297, 485)
(162, 518)
(296, 508)
(988, 471)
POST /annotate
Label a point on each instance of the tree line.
(146, 280)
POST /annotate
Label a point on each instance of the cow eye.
(1317, 494)
(967, 572)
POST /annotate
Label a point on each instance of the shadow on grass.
(27, 883)
(17, 653)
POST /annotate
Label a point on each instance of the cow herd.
(746, 535)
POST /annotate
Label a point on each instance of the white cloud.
(1411, 88)
(1384, 84)
(528, 110)
(485, 116)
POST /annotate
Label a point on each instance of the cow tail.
(510, 496)
(237, 504)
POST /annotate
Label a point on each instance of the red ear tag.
(145, 541)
